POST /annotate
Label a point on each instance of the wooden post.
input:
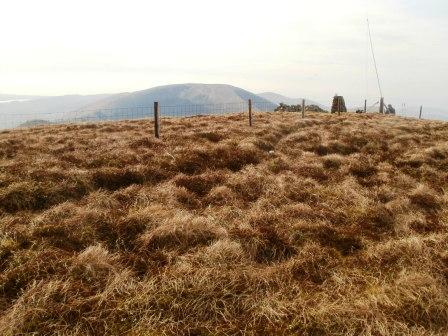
(250, 112)
(303, 108)
(156, 120)
(421, 110)
(339, 106)
(382, 105)
(365, 106)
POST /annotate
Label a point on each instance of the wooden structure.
(250, 112)
(156, 120)
(303, 108)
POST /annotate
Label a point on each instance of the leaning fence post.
(421, 110)
(365, 106)
(156, 120)
(250, 112)
(303, 108)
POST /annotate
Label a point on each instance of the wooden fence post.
(250, 112)
(303, 108)
(156, 120)
(382, 105)
(421, 110)
(365, 106)
(339, 106)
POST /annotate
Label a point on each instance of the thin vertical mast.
(374, 58)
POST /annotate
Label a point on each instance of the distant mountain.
(174, 100)
(49, 108)
(277, 99)
(35, 122)
(10, 97)
(178, 99)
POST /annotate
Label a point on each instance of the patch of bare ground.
(319, 226)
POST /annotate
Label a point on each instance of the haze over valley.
(18, 109)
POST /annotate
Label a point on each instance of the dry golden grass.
(320, 226)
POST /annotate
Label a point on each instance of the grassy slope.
(327, 225)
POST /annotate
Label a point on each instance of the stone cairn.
(338, 104)
(297, 108)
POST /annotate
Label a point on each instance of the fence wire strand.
(129, 113)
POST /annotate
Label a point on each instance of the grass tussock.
(328, 225)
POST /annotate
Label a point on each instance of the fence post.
(365, 106)
(421, 110)
(382, 105)
(250, 112)
(339, 106)
(303, 108)
(156, 120)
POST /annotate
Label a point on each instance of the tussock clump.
(278, 165)
(27, 266)
(181, 233)
(155, 174)
(266, 143)
(224, 156)
(264, 244)
(425, 225)
(19, 196)
(114, 178)
(327, 225)
(313, 171)
(223, 252)
(313, 264)
(221, 195)
(301, 190)
(200, 184)
(411, 162)
(7, 247)
(362, 168)
(249, 185)
(146, 142)
(273, 245)
(377, 219)
(34, 196)
(130, 228)
(328, 236)
(385, 194)
(333, 161)
(439, 153)
(187, 198)
(425, 198)
(93, 265)
(211, 136)
(337, 147)
(300, 141)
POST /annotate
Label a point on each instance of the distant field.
(319, 226)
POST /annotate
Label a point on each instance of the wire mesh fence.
(20, 120)
(129, 113)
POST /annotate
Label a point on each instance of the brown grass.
(319, 226)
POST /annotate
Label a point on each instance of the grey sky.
(297, 48)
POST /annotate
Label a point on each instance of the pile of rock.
(288, 108)
(297, 108)
(314, 108)
(338, 104)
(390, 109)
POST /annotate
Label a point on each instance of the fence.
(130, 113)
(15, 120)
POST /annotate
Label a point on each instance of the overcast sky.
(293, 47)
